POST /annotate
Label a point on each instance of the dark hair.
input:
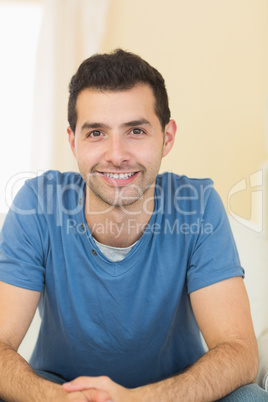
(117, 71)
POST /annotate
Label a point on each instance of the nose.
(117, 151)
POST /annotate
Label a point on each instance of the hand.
(57, 393)
(100, 389)
(91, 395)
(61, 395)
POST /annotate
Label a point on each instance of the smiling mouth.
(121, 176)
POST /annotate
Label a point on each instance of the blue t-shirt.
(131, 320)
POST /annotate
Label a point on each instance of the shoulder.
(54, 177)
(54, 184)
(183, 182)
(183, 192)
(44, 192)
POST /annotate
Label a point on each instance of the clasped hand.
(98, 389)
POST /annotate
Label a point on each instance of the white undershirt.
(114, 254)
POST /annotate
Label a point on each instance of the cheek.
(86, 153)
(150, 154)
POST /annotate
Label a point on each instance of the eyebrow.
(95, 125)
(140, 122)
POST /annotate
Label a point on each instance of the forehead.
(94, 103)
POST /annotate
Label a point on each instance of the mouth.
(121, 176)
(118, 178)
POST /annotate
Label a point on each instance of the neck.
(119, 226)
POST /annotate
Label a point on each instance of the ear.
(71, 138)
(170, 131)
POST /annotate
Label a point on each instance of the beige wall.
(214, 57)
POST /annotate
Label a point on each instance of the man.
(127, 266)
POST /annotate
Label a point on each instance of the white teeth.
(122, 176)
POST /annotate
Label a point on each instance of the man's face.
(119, 144)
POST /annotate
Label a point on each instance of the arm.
(223, 315)
(18, 382)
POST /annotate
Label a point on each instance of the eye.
(137, 131)
(95, 133)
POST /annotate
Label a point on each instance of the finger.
(94, 395)
(77, 397)
(91, 395)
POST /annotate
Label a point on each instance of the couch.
(253, 252)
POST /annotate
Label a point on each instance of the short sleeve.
(22, 242)
(214, 257)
